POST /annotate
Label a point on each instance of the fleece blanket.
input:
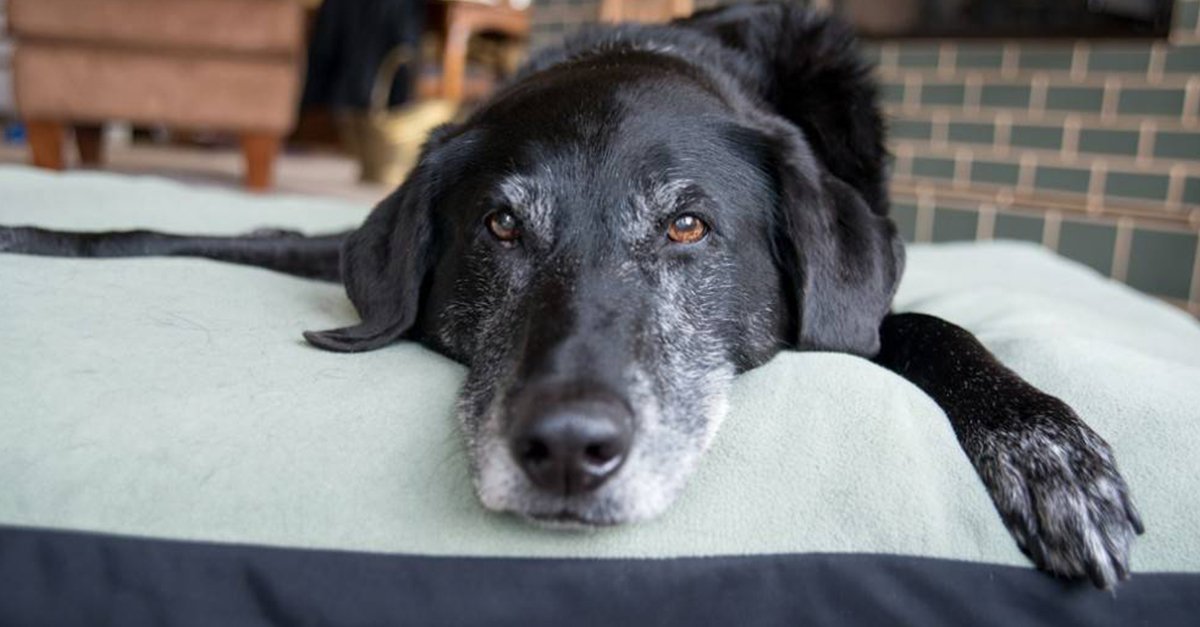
(162, 419)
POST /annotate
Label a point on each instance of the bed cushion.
(165, 432)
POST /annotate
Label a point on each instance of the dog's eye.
(504, 225)
(687, 229)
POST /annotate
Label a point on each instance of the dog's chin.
(567, 521)
(591, 512)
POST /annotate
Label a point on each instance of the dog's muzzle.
(570, 446)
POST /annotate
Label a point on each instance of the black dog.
(641, 214)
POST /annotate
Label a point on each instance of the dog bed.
(171, 451)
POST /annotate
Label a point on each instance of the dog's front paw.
(1057, 488)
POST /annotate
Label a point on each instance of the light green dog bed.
(175, 398)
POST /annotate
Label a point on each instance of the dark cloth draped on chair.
(349, 40)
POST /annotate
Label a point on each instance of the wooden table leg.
(259, 150)
(89, 139)
(46, 143)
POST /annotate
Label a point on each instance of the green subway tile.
(1183, 59)
(1062, 179)
(1115, 58)
(1016, 226)
(1188, 14)
(943, 94)
(933, 167)
(891, 93)
(995, 172)
(979, 56)
(1132, 185)
(910, 129)
(1075, 98)
(1004, 96)
(1151, 101)
(1034, 58)
(1088, 243)
(1191, 191)
(1177, 145)
(917, 55)
(972, 132)
(1108, 142)
(905, 217)
(1048, 137)
(952, 225)
(1160, 262)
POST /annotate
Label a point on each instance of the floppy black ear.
(843, 260)
(384, 264)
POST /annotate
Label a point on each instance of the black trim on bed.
(72, 578)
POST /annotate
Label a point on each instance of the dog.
(640, 214)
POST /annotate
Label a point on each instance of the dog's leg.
(315, 257)
(1051, 477)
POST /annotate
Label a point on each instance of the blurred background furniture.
(457, 21)
(643, 10)
(229, 65)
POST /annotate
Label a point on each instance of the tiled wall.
(1090, 147)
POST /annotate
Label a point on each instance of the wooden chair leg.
(90, 141)
(46, 143)
(259, 150)
(454, 56)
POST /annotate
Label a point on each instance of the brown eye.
(687, 229)
(504, 225)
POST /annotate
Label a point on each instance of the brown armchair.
(228, 65)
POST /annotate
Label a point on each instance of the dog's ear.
(385, 262)
(842, 259)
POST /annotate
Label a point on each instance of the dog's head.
(604, 246)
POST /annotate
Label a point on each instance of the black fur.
(760, 120)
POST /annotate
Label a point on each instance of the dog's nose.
(573, 448)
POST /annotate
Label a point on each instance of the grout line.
(1158, 55)
(1051, 118)
(1025, 175)
(1008, 61)
(1175, 186)
(1070, 145)
(962, 167)
(1037, 96)
(1191, 101)
(923, 231)
(1121, 246)
(1095, 192)
(940, 132)
(985, 228)
(904, 154)
(1005, 197)
(947, 59)
(1079, 160)
(1108, 105)
(1002, 197)
(1079, 60)
(1145, 147)
(1003, 132)
(973, 93)
(1168, 80)
(1051, 231)
(912, 91)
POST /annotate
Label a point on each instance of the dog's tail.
(313, 257)
(814, 77)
